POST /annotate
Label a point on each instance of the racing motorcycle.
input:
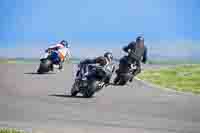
(47, 61)
(124, 71)
(90, 79)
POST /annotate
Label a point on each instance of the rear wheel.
(45, 66)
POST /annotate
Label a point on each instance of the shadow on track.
(112, 84)
(67, 96)
(35, 73)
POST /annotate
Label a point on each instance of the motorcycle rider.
(137, 52)
(105, 62)
(62, 50)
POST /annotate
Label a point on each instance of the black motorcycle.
(124, 72)
(90, 80)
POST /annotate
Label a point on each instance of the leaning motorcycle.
(90, 80)
(124, 72)
(47, 61)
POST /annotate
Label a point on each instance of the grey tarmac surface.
(40, 104)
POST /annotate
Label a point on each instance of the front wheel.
(41, 69)
(92, 88)
(120, 80)
(74, 90)
(45, 66)
(116, 80)
(88, 94)
(74, 93)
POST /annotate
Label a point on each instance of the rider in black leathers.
(137, 52)
(105, 62)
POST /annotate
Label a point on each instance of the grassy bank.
(173, 62)
(182, 78)
(6, 130)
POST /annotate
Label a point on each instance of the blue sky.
(95, 25)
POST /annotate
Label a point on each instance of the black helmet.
(139, 39)
(109, 56)
(65, 43)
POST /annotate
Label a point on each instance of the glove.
(87, 61)
(82, 63)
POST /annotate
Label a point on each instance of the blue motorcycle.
(46, 63)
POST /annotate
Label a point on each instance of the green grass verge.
(2, 61)
(6, 130)
(173, 62)
(13, 61)
(182, 78)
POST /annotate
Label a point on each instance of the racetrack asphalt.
(41, 104)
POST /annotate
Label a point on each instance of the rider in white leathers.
(63, 51)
